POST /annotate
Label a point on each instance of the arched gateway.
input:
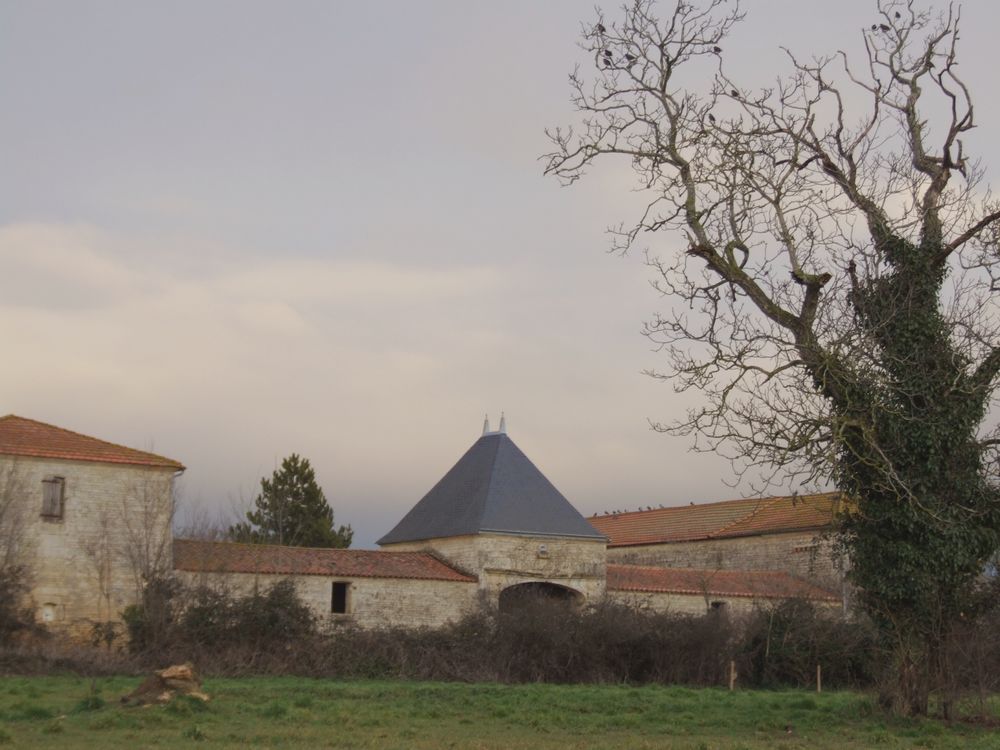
(520, 595)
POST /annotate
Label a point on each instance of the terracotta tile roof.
(730, 518)
(755, 584)
(26, 437)
(229, 557)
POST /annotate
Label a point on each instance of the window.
(338, 601)
(52, 497)
(718, 606)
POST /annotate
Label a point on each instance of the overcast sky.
(230, 231)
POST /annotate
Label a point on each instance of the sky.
(234, 230)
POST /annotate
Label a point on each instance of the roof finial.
(486, 424)
(503, 424)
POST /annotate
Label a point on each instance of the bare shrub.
(782, 645)
(271, 631)
(212, 625)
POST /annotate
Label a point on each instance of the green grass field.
(54, 712)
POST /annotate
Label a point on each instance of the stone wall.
(503, 560)
(85, 566)
(371, 602)
(699, 604)
(803, 554)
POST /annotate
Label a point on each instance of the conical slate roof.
(494, 487)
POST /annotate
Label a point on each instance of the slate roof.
(755, 584)
(494, 487)
(198, 556)
(731, 518)
(26, 437)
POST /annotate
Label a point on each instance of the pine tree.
(291, 510)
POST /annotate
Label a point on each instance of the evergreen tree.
(291, 510)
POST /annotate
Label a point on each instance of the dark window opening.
(338, 603)
(52, 497)
(718, 606)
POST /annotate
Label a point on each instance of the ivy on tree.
(834, 260)
(292, 510)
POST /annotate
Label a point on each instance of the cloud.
(49, 267)
(85, 324)
(376, 371)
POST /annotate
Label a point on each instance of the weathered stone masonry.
(493, 524)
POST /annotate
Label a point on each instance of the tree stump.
(164, 685)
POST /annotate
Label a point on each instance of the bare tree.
(834, 286)
(100, 551)
(13, 518)
(146, 516)
(15, 571)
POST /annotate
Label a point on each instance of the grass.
(57, 712)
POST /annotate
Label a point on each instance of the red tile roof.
(756, 584)
(230, 557)
(26, 437)
(748, 517)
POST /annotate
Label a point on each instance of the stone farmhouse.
(94, 520)
(88, 520)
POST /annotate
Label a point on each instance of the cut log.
(164, 685)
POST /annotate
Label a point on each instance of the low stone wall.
(700, 604)
(802, 554)
(371, 602)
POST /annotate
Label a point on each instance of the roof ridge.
(211, 555)
(713, 503)
(120, 446)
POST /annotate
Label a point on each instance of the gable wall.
(83, 568)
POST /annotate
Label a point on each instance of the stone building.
(368, 588)
(492, 530)
(790, 534)
(87, 519)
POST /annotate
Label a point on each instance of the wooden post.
(732, 675)
(819, 679)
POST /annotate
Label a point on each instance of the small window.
(52, 497)
(718, 606)
(338, 602)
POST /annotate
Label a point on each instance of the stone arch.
(516, 597)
